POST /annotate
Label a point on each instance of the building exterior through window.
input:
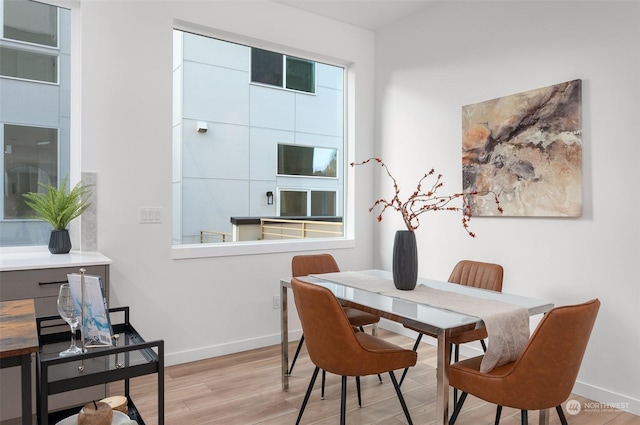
(35, 114)
(249, 122)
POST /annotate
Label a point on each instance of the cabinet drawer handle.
(52, 283)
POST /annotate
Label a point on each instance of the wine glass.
(68, 312)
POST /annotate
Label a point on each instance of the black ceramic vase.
(59, 242)
(405, 260)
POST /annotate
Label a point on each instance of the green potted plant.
(59, 207)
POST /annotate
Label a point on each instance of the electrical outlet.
(276, 302)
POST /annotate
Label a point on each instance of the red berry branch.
(422, 200)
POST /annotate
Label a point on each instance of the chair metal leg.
(400, 397)
(295, 356)
(343, 402)
(498, 413)
(415, 348)
(308, 393)
(456, 410)
(456, 359)
(417, 343)
(525, 417)
(563, 420)
(324, 378)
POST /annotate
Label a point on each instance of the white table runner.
(507, 324)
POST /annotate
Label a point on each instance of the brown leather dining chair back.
(334, 346)
(476, 274)
(304, 265)
(543, 375)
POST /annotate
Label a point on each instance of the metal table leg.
(284, 334)
(544, 417)
(442, 377)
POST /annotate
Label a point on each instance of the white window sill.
(182, 252)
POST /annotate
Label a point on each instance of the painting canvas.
(527, 149)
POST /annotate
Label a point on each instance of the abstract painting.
(525, 148)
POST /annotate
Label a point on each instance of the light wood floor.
(245, 388)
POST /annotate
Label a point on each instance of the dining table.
(18, 341)
(373, 291)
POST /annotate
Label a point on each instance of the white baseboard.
(605, 400)
(229, 348)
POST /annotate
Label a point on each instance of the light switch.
(150, 215)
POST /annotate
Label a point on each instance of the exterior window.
(276, 69)
(31, 22)
(28, 65)
(266, 67)
(300, 75)
(308, 161)
(293, 203)
(35, 117)
(30, 156)
(258, 140)
(303, 203)
(323, 203)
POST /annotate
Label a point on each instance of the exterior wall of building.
(227, 170)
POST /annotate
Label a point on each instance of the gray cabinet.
(43, 284)
(39, 276)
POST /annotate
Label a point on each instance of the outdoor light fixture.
(269, 198)
(201, 126)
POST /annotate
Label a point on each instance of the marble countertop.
(46, 260)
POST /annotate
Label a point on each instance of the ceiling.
(368, 14)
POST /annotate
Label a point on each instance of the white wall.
(455, 54)
(210, 306)
(458, 53)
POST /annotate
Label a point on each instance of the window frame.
(241, 248)
(31, 47)
(309, 191)
(53, 55)
(284, 62)
(306, 176)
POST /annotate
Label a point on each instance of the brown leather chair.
(478, 275)
(543, 375)
(334, 346)
(304, 265)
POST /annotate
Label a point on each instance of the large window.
(258, 133)
(34, 113)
